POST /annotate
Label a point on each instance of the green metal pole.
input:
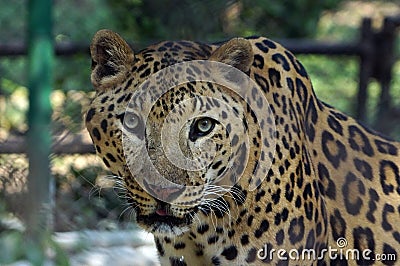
(40, 67)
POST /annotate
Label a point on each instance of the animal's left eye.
(133, 124)
(205, 125)
(131, 121)
(201, 127)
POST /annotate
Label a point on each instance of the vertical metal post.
(40, 57)
(365, 69)
(386, 46)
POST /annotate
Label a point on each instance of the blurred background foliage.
(80, 203)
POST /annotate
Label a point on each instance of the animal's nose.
(166, 168)
(164, 193)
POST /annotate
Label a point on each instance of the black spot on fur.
(307, 192)
(326, 185)
(268, 208)
(289, 193)
(274, 77)
(359, 141)
(264, 225)
(251, 255)
(335, 125)
(396, 236)
(281, 59)
(212, 239)
(250, 220)
(310, 240)
(389, 171)
(340, 150)
(111, 157)
(276, 196)
(98, 149)
(309, 209)
(231, 233)
(262, 47)
(159, 247)
(386, 147)
(219, 230)
(179, 245)
(389, 250)
(298, 202)
(262, 82)
(373, 198)
(338, 225)
(279, 237)
(364, 168)
(311, 119)
(201, 229)
(120, 99)
(285, 214)
(90, 114)
(106, 162)
(352, 201)
(339, 116)
(244, 240)
(215, 261)
(230, 253)
(290, 85)
(297, 65)
(385, 221)
(296, 230)
(269, 43)
(258, 61)
(302, 93)
(259, 195)
(96, 134)
(364, 239)
(177, 261)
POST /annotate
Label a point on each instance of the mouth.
(162, 221)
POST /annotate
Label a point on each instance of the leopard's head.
(175, 130)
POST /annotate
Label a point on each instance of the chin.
(164, 225)
(162, 229)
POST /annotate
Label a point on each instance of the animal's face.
(179, 138)
(178, 153)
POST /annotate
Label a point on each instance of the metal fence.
(375, 50)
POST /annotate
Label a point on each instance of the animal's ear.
(112, 58)
(237, 52)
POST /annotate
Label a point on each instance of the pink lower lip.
(161, 212)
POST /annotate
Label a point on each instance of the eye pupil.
(204, 124)
(133, 124)
(131, 121)
(201, 127)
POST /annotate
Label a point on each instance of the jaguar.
(285, 180)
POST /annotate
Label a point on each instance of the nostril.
(163, 193)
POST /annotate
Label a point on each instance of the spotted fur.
(331, 177)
